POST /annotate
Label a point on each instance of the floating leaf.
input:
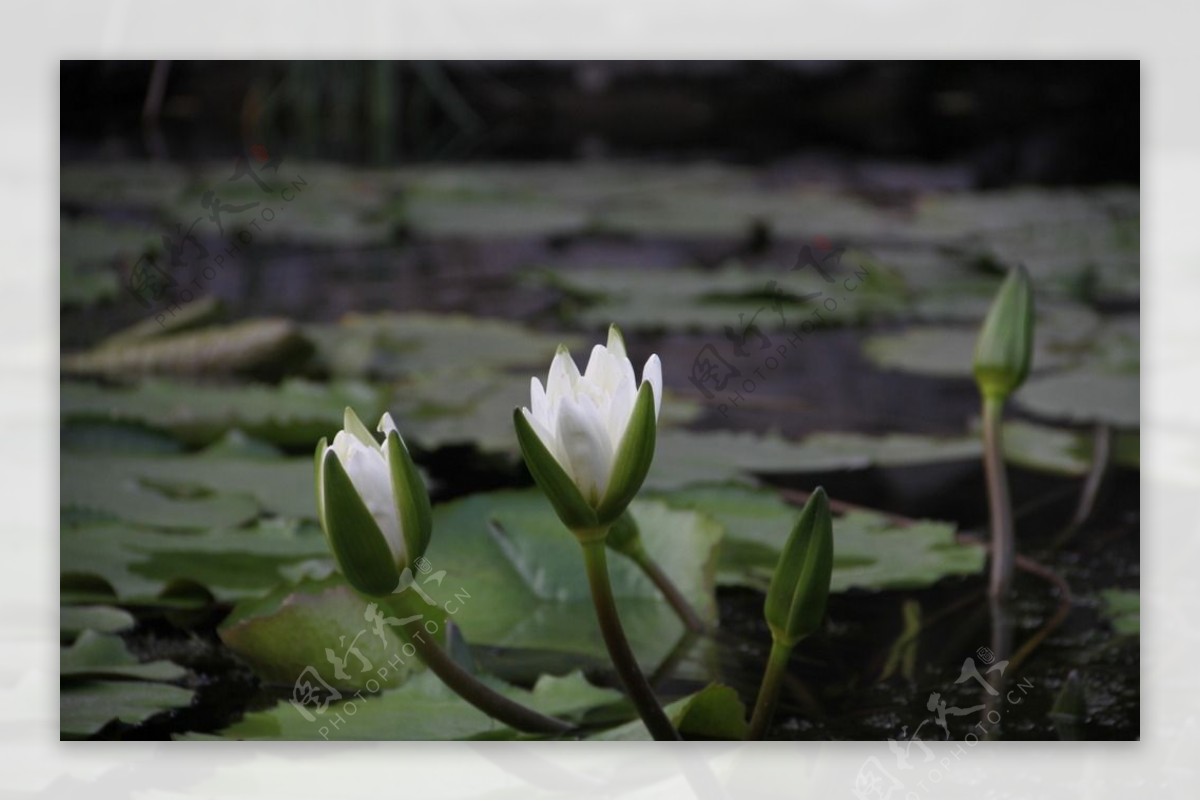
(199, 491)
(324, 627)
(110, 562)
(416, 344)
(266, 345)
(422, 709)
(74, 620)
(87, 707)
(96, 655)
(1085, 396)
(714, 713)
(295, 413)
(869, 550)
(516, 578)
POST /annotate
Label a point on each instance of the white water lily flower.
(372, 504)
(582, 421)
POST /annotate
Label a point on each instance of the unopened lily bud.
(1004, 350)
(799, 589)
(372, 504)
(588, 439)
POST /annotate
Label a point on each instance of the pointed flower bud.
(1004, 350)
(800, 587)
(372, 504)
(589, 439)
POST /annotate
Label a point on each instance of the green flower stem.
(596, 562)
(674, 597)
(768, 693)
(1003, 541)
(469, 688)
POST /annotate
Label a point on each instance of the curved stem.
(768, 693)
(1003, 542)
(596, 562)
(663, 582)
(469, 688)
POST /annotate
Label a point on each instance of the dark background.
(969, 124)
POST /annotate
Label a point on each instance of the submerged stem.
(469, 688)
(768, 693)
(1003, 541)
(596, 562)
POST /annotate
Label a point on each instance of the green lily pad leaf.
(422, 709)
(1085, 396)
(96, 655)
(138, 184)
(296, 413)
(116, 438)
(869, 550)
(414, 345)
(517, 579)
(205, 491)
(322, 628)
(137, 566)
(690, 457)
(97, 486)
(268, 345)
(774, 299)
(714, 713)
(74, 620)
(87, 707)
(1123, 608)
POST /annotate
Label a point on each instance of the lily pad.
(320, 631)
(1085, 396)
(422, 709)
(690, 457)
(74, 620)
(714, 713)
(295, 413)
(415, 345)
(87, 707)
(102, 563)
(265, 344)
(196, 492)
(96, 655)
(870, 550)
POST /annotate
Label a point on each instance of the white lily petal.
(597, 364)
(539, 406)
(585, 445)
(368, 470)
(387, 425)
(652, 372)
(620, 410)
(563, 376)
(616, 343)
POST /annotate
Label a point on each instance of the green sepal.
(624, 537)
(359, 546)
(799, 589)
(633, 457)
(412, 499)
(575, 512)
(1004, 350)
(357, 429)
(320, 482)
